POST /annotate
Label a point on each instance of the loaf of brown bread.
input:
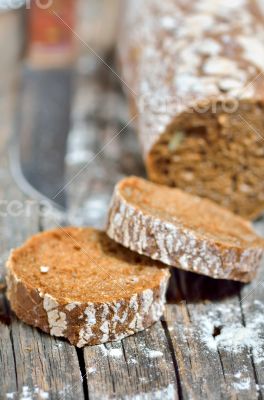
(183, 231)
(78, 284)
(194, 70)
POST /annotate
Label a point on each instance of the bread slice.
(78, 284)
(183, 231)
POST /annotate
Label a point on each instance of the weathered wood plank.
(102, 149)
(7, 363)
(32, 363)
(205, 336)
(252, 305)
(140, 366)
(45, 365)
(8, 382)
(41, 362)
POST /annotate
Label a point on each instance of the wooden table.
(193, 353)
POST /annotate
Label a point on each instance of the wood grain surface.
(189, 354)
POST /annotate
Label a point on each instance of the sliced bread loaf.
(183, 231)
(197, 73)
(78, 284)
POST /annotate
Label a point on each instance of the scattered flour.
(115, 353)
(132, 361)
(150, 353)
(104, 350)
(237, 337)
(65, 391)
(259, 387)
(10, 395)
(143, 379)
(242, 385)
(153, 353)
(91, 370)
(27, 394)
(168, 393)
(234, 338)
(259, 304)
(43, 395)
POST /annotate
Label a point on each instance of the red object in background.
(51, 25)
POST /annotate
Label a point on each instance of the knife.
(42, 125)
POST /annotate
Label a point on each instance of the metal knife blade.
(42, 125)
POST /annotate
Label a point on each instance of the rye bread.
(196, 81)
(79, 284)
(183, 230)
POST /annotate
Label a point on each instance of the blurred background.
(71, 138)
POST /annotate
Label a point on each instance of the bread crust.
(85, 323)
(196, 77)
(177, 246)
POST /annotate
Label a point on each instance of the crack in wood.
(174, 359)
(260, 396)
(14, 355)
(83, 373)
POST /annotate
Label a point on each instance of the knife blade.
(42, 125)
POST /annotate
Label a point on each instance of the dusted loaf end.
(194, 70)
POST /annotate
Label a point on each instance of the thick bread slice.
(183, 231)
(78, 284)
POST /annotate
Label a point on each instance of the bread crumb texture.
(94, 291)
(183, 230)
(198, 75)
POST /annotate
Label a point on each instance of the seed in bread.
(183, 230)
(93, 290)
